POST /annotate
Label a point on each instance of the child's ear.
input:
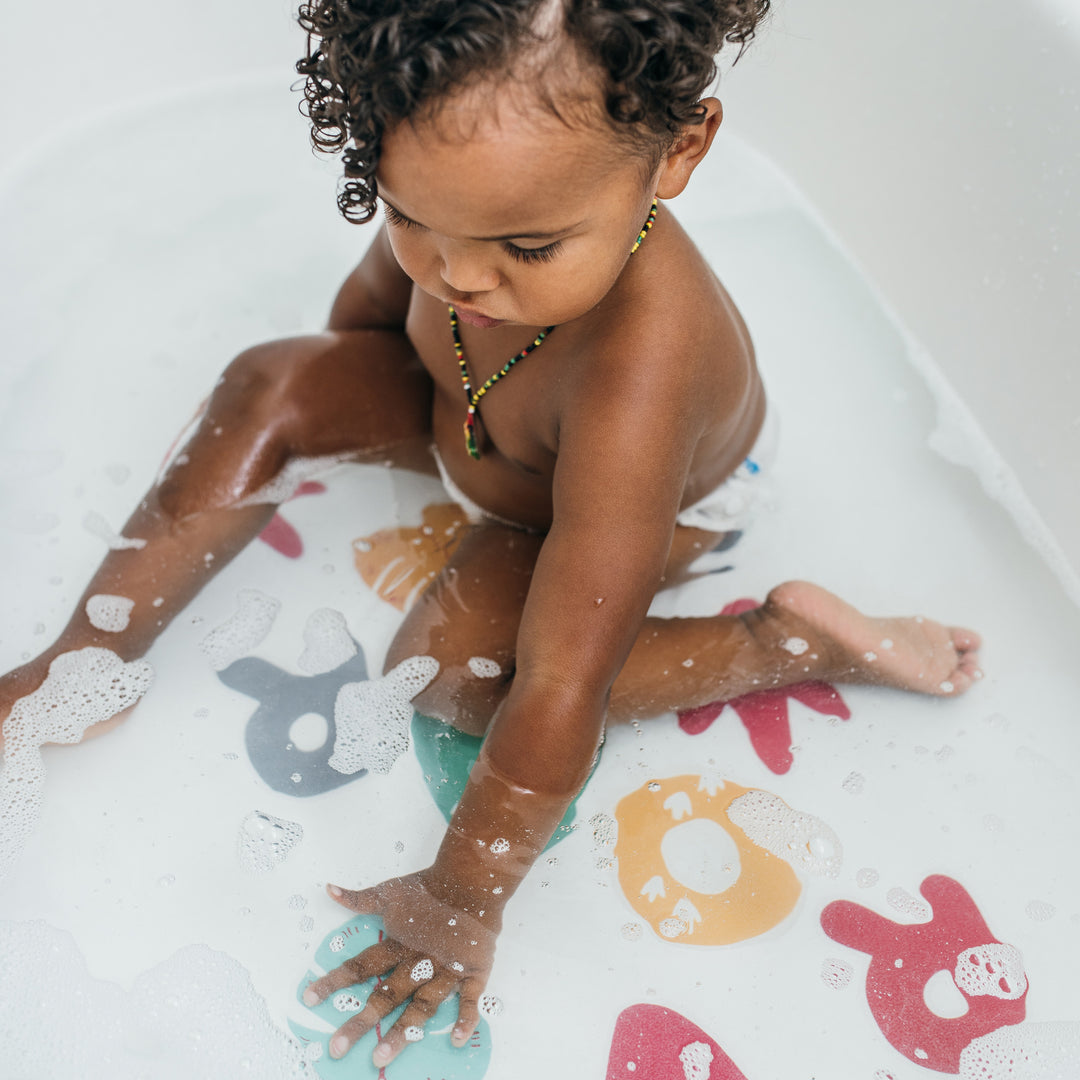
(689, 151)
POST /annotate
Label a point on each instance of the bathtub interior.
(669, 932)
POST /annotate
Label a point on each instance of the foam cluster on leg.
(372, 718)
(83, 688)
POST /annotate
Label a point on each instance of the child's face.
(511, 216)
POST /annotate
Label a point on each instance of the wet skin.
(642, 400)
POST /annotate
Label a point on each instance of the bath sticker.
(284, 700)
(654, 1043)
(431, 1055)
(280, 534)
(905, 958)
(764, 713)
(447, 755)
(398, 564)
(707, 862)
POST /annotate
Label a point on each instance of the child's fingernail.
(310, 997)
(339, 1046)
(335, 890)
(461, 1036)
(382, 1053)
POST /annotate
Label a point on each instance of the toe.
(964, 640)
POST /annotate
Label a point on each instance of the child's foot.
(908, 653)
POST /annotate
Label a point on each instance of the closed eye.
(398, 219)
(533, 255)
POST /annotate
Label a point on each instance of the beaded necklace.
(473, 397)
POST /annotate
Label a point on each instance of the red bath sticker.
(280, 534)
(654, 1043)
(764, 713)
(904, 958)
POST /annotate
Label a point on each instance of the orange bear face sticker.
(749, 887)
(398, 564)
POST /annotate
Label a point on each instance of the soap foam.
(195, 1015)
(327, 642)
(82, 688)
(994, 969)
(95, 523)
(265, 841)
(483, 668)
(111, 613)
(373, 718)
(243, 630)
(803, 840)
(296, 472)
(836, 973)
(1025, 1051)
(696, 1059)
(901, 900)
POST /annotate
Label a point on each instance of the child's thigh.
(467, 616)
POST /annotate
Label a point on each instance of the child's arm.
(375, 296)
(618, 483)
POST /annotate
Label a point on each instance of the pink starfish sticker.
(764, 713)
(282, 536)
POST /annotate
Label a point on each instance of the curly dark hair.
(372, 63)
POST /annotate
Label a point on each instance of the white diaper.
(731, 505)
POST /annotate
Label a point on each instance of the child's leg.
(801, 632)
(360, 393)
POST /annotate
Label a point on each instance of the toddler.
(531, 323)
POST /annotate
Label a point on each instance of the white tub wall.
(941, 142)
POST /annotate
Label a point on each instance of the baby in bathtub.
(532, 323)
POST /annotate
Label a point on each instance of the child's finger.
(371, 962)
(468, 1010)
(410, 1025)
(364, 901)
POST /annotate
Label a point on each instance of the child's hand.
(436, 943)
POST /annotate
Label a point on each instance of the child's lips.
(474, 318)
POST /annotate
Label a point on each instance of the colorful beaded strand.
(474, 398)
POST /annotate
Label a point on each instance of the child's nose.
(468, 272)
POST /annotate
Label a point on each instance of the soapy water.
(372, 718)
(264, 841)
(803, 840)
(83, 688)
(901, 900)
(327, 642)
(696, 1059)
(1024, 1051)
(243, 630)
(836, 973)
(297, 471)
(994, 969)
(483, 668)
(109, 613)
(195, 1015)
(95, 523)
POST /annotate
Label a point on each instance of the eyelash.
(519, 254)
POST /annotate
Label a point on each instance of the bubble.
(867, 877)
(110, 613)
(803, 840)
(500, 846)
(296, 472)
(243, 630)
(992, 823)
(489, 1005)
(455, 966)
(337, 943)
(327, 642)
(423, 971)
(265, 841)
(836, 973)
(605, 830)
(854, 783)
(82, 688)
(672, 928)
(795, 645)
(901, 900)
(373, 717)
(1039, 910)
(653, 785)
(297, 902)
(306, 924)
(483, 668)
(631, 931)
(96, 524)
(1024, 1051)
(347, 1003)
(994, 969)
(413, 1033)
(696, 1059)
(166, 880)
